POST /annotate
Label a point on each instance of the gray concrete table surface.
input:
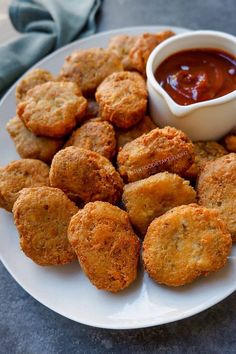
(27, 327)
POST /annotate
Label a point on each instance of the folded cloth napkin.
(46, 25)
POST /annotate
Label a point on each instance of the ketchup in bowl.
(197, 75)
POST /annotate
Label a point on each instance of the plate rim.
(113, 326)
(153, 323)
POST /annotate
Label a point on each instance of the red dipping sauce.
(197, 75)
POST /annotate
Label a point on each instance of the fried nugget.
(230, 142)
(125, 136)
(122, 99)
(121, 44)
(31, 146)
(33, 78)
(89, 67)
(98, 136)
(204, 151)
(143, 47)
(106, 246)
(42, 216)
(153, 196)
(18, 175)
(85, 175)
(52, 109)
(185, 243)
(216, 189)
(166, 149)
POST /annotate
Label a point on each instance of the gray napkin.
(46, 25)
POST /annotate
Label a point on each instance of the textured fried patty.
(125, 136)
(18, 175)
(204, 151)
(216, 189)
(30, 146)
(89, 67)
(33, 78)
(106, 246)
(121, 44)
(95, 135)
(153, 196)
(142, 48)
(85, 175)
(52, 109)
(230, 142)
(185, 243)
(122, 99)
(166, 149)
(42, 216)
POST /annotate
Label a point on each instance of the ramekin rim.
(151, 78)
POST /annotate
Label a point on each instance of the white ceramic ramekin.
(208, 120)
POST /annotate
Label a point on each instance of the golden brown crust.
(121, 44)
(42, 216)
(143, 47)
(204, 151)
(216, 189)
(125, 136)
(29, 145)
(33, 78)
(153, 196)
(106, 246)
(185, 243)
(85, 175)
(18, 175)
(98, 136)
(122, 98)
(89, 67)
(166, 149)
(52, 109)
(230, 142)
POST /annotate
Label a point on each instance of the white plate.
(65, 289)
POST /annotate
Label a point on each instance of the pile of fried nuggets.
(91, 125)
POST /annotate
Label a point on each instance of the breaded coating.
(18, 175)
(125, 136)
(121, 44)
(230, 142)
(204, 151)
(85, 175)
(185, 243)
(143, 47)
(216, 189)
(89, 67)
(98, 136)
(42, 217)
(92, 110)
(166, 149)
(106, 245)
(122, 99)
(33, 78)
(153, 196)
(52, 109)
(31, 146)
